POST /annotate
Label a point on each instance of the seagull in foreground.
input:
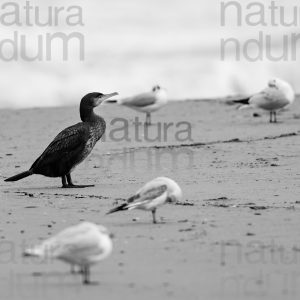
(146, 102)
(83, 245)
(153, 194)
(276, 96)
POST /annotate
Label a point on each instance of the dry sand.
(234, 236)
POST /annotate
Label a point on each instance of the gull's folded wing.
(146, 195)
(268, 96)
(141, 100)
(76, 240)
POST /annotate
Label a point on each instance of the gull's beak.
(272, 83)
(104, 97)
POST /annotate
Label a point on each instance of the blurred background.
(131, 45)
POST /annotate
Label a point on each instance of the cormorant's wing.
(70, 139)
(141, 100)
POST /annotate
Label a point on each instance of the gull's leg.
(71, 184)
(73, 269)
(154, 216)
(271, 117)
(148, 119)
(86, 274)
(275, 117)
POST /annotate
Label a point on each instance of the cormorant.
(72, 145)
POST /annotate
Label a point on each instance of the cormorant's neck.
(87, 114)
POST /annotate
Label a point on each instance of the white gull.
(153, 194)
(145, 102)
(83, 245)
(276, 96)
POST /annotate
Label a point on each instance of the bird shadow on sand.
(60, 278)
(56, 189)
(145, 223)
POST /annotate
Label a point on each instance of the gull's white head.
(273, 83)
(103, 230)
(284, 87)
(156, 88)
(174, 190)
(160, 95)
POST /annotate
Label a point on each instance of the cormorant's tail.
(19, 176)
(118, 208)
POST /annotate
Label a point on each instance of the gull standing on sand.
(72, 145)
(153, 194)
(83, 245)
(276, 96)
(146, 102)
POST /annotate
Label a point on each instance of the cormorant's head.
(94, 99)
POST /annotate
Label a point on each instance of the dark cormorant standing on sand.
(72, 145)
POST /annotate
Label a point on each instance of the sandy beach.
(235, 235)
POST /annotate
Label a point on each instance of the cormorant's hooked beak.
(104, 97)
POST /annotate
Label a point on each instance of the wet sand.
(235, 235)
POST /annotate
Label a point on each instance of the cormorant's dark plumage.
(72, 145)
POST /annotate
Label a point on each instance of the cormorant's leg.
(72, 185)
(153, 216)
(86, 275)
(64, 181)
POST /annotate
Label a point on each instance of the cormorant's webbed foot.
(75, 186)
(68, 184)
